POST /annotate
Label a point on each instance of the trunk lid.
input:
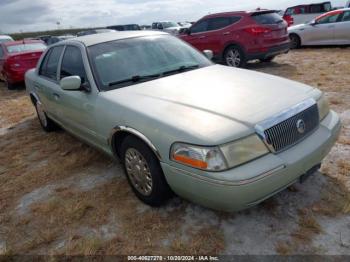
(25, 59)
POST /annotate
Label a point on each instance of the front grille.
(291, 130)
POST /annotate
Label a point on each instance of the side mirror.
(71, 83)
(313, 23)
(185, 31)
(209, 54)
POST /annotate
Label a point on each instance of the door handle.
(227, 33)
(38, 87)
(201, 37)
(56, 96)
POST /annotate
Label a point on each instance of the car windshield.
(126, 62)
(169, 24)
(26, 47)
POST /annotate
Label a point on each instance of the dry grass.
(31, 158)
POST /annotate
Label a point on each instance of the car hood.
(172, 28)
(296, 27)
(214, 104)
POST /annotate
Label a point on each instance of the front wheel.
(234, 57)
(294, 41)
(144, 172)
(46, 123)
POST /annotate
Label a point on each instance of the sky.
(40, 15)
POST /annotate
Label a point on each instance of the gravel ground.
(59, 196)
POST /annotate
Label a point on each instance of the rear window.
(267, 18)
(25, 47)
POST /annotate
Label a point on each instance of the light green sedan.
(222, 137)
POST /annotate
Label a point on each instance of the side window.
(1, 52)
(346, 17)
(50, 63)
(221, 22)
(199, 27)
(72, 64)
(328, 19)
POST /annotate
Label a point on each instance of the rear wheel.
(234, 57)
(9, 86)
(144, 172)
(294, 41)
(46, 123)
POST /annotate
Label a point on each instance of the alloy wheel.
(233, 58)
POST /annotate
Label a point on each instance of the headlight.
(323, 107)
(221, 157)
(244, 150)
(206, 158)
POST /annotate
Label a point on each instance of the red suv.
(237, 37)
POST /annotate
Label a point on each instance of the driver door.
(198, 37)
(322, 32)
(77, 108)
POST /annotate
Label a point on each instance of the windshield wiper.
(134, 79)
(180, 69)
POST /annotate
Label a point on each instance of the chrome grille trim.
(280, 131)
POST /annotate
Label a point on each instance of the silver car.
(332, 28)
(222, 137)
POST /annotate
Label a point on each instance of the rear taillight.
(257, 30)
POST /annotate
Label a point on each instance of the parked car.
(210, 133)
(332, 28)
(131, 27)
(145, 27)
(237, 37)
(95, 31)
(169, 27)
(43, 38)
(301, 14)
(5, 38)
(55, 39)
(16, 57)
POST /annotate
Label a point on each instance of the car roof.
(241, 13)
(90, 40)
(20, 42)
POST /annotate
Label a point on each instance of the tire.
(267, 60)
(144, 172)
(46, 123)
(234, 57)
(295, 41)
(9, 86)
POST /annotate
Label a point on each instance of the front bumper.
(271, 52)
(249, 184)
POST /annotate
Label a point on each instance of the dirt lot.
(59, 196)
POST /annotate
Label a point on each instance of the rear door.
(219, 32)
(47, 85)
(342, 30)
